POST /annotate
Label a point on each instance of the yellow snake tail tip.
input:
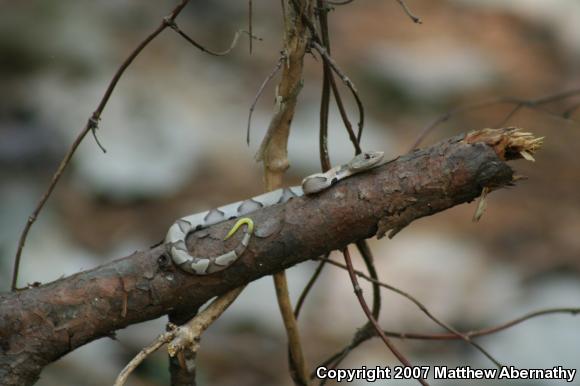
(243, 221)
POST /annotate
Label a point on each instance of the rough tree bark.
(41, 324)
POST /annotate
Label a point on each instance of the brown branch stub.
(188, 336)
(183, 341)
(509, 143)
(39, 325)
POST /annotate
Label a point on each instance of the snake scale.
(178, 232)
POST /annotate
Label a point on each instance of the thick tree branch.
(41, 324)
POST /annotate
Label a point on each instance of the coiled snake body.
(177, 234)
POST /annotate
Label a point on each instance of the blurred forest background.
(174, 131)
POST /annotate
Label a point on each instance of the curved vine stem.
(90, 126)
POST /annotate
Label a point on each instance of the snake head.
(316, 183)
(365, 160)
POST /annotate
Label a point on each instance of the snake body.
(178, 232)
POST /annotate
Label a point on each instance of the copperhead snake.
(178, 232)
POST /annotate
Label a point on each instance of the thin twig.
(345, 79)
(250, 23)
(140, 357)
(424, 309)
(259, 93)
(470, 334)
(484, 331)
(510, 115)
(308, 287)
(492, 330)
(185, 337)
(445, 117)
(362, 335)
(365, 252)
(325, 163)
(567, 114)
(335, 2)
(367, 311)
(316, 43)
(414, 18)
(233, 44)
(365, 330)
(329, 77)
(365, 335)
(518, 102)
(368, 328)
(94, 126)
(343, 115)
(91, 125)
